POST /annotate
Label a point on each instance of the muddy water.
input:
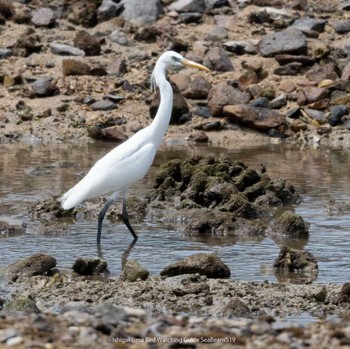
(34, 172)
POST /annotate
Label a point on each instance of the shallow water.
(320, 175)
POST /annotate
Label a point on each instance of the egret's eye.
(175, 59)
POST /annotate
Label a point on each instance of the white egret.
(130, 161)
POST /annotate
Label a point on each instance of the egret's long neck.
(162, 118)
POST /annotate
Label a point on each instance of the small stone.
(200, 137)
(209, 265)
(236, 308)
(88, 43)
(241, 47)
(7, 333)
(45, 87)
(344, 295)
(90, 266)
(336, 113)
(134, 271)
(37, 264)
(43, 17)
(113, 134)
(261, 119)
(290, 41)
(279, 101)
(222, 94)
(342, 27)
(217, 59)
(289, 69)
(5, 53)
(286, 59)
(63, 49)
(74, 67)
(309, 24)
(7, 9)
(103, 105)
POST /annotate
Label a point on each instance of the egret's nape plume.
(129, 162)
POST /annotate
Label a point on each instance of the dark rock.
(217, 59)
(209, 265)
(322, 72)
(45, 87)
(261, 119)
(344, 295)
(188, 6)
(109, 9)
(241, 47)
(292, 225)
(309, 24)
(113, 134)
(103, 105)
(43, 17)
(222, 94)
(134, 271)
(66, 50)
(290, 41)
(88, 43)
(317, 115)
(37, 264)
(311, 94)
(294, 260)
(28, 42)
(202, 111)
(345, 5)
(83, 12)
(286, 59)
(279, 101)
(25, 305)
(210, 4)
(142, 12)
(342, 27)
(7, 10)
(90, 266)
(198, 88)
(261, 102)
(148, 34)
(5, 53)
(336, 113)
(180, 106)
(209, 126)
(74, 67)
(289, 69)
(293, 113)
(200, 137)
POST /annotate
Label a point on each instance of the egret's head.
(174, 58)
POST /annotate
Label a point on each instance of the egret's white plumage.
(130, 161)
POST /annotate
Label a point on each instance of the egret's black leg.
(126, 220)
(101, 216)
(126, 253)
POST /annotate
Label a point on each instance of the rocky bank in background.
(78, 71)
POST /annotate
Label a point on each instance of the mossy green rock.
(134, 271)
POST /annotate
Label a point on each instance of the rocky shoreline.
(78, 71)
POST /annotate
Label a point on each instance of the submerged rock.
(7, 229)
(209, 265)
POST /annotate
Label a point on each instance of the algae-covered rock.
(216, 196)
(292, 225)
(209, 265)
(134, 271)
(37, 264)
(25, 305)
(90, 266)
